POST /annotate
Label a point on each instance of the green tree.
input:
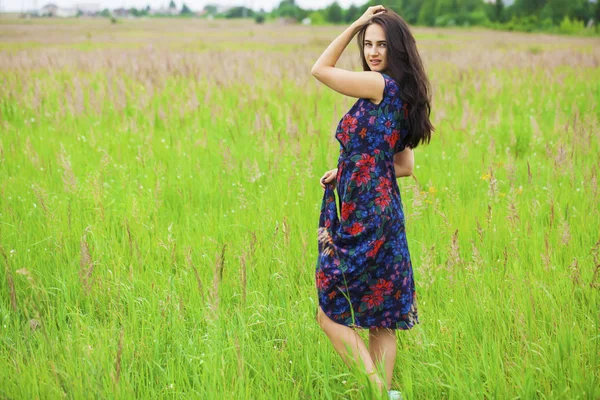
(556, 10)
(239, 12)
(446, 7)
(352, 14)
(410, 10)
(396, 5)
(289, 9)
(528, 7)
(446, 13)
(498, 11)
(210, 9)
(597, 15)
(185, 10)
(334, 13)
(317, 18)
(582, 10)
(427, 13)
(172, 4)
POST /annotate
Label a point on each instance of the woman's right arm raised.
(363, 84)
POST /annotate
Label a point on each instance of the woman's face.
(375, 48)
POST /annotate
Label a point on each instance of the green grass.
(159, 211)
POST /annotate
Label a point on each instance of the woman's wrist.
(355, 26)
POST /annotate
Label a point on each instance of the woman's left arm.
(404, 162)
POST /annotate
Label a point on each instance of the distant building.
(89, 9)
(165, 11)
(120, 12)
(49, 10)
(66, 12)
(52, 10)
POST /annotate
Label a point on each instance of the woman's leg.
(382, 346)
(342, 336)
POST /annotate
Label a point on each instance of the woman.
(364, 274)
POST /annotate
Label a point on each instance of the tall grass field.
(160, 197)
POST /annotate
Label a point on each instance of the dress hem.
(354, 326)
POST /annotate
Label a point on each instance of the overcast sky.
(196, 5)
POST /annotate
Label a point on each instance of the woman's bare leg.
(382, 346)
(342, 336)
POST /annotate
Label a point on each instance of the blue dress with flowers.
(364, 274)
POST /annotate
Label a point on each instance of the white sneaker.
(394, 395)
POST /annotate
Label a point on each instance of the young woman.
(364, 274)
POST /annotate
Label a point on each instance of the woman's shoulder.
(391, 87)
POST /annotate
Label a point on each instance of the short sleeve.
(402, 127)
(400, 143)
(390, 88)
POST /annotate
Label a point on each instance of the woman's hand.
(371, 11)
(328, 177)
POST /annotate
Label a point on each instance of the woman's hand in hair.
(371, 11)
(328, 177)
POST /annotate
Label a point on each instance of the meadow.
(159, 204)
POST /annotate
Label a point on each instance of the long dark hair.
(406, 68)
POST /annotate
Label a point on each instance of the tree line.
(567, 16)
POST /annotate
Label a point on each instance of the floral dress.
(364, 274)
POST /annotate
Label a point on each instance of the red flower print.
(373, 299)
(376, 245)
(393, 138)
(385, 186)
(405, 108)
(383, 201)
(347, 209)
(344, 137)
(322, 280)
(367, 161)
(349, 123)
(356, 228)
(383, 286)
(361, 177)
(363, 133)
